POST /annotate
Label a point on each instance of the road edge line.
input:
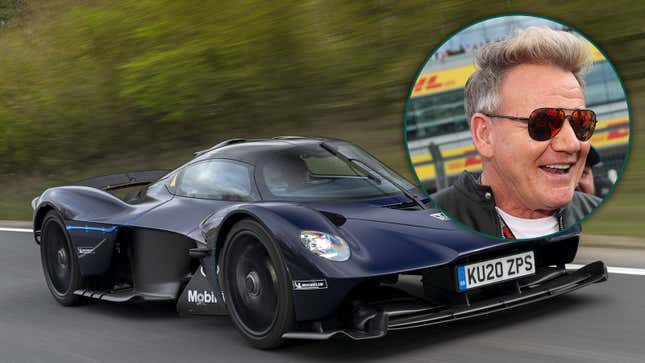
(614, 270)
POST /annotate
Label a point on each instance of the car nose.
(566, 140)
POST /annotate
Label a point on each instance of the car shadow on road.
(141, 310)
(398, 342)
(344, 349)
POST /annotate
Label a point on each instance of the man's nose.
(566, 139)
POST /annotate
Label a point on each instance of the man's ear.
(481, 128)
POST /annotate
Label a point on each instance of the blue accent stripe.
(461, 278)
(97, 229)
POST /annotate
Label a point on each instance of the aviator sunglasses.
(545, 123)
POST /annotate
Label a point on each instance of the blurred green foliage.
(10, 10)
(88, 80)
(102, 86)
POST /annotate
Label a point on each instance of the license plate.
(497, 270)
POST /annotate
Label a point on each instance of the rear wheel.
(256, 285)
(60, 264)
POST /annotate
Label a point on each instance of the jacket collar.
(469, 184)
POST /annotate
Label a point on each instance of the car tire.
(60, 264)
(256, 285)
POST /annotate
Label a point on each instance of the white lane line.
(615, 270)
(26, 230)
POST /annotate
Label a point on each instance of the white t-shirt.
(529, 228)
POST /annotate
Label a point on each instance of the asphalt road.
(600, 323)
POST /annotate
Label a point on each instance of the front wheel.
(256, 285)
(60, 265)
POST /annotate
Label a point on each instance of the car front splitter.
(375, 321)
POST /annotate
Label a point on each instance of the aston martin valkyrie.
(294, 238)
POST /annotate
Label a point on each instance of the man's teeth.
(558, 166)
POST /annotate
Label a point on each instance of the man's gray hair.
(533, 45)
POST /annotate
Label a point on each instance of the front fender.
(377, 248)
(284, 222)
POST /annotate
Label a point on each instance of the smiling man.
(528, 120)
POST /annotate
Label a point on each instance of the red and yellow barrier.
(609, 133)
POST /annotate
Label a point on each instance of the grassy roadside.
(381, 137)
(622, 242)
(617, 218)
(620, 215)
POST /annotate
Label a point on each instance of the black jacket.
(472, 204)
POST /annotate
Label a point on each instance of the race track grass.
(621, 214)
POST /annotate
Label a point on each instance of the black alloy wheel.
(60, 265)
(256, 285)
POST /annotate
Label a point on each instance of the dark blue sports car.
(293, 237)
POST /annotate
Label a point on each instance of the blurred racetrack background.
(98, 87)
(438, 136)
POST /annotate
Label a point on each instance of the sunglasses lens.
(545, 123)
(583, 123)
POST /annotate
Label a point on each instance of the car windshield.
(355, 153)
(313, 172)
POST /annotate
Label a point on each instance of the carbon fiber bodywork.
(397, 314)
(157, 245)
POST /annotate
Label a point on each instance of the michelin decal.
(309, 284)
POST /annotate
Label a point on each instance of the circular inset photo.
(517, 127)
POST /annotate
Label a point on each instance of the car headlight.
(325, 245)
